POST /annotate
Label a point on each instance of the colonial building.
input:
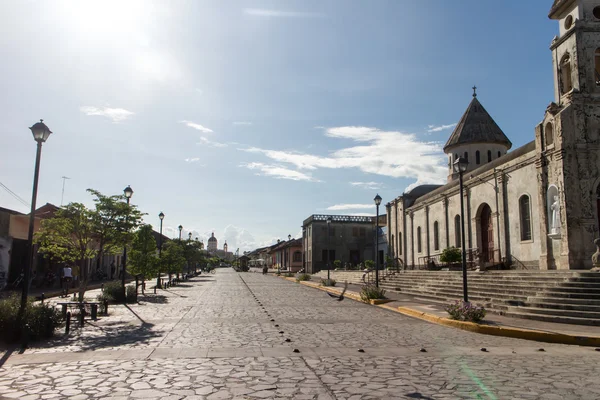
(350, 239)
(537, 206)
(287, 255)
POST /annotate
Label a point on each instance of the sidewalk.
(501, 325)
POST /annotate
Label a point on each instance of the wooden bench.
(81, 307)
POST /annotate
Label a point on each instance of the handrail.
(520, 264)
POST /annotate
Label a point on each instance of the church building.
(537, 206)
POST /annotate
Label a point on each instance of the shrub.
(337, 264)
(463, 311)
(303, 277)
(289, 274)
(130, 294)
(328, 282)
(371, 292)
(451, 255)
(113, 292)
(101, 298)
(370, 264)
(41, 318)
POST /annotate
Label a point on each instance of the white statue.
(555, 216)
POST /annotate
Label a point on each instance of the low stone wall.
(341, 276)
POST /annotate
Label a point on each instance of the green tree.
(142, 259)
(172, 258)
(69, 237)
(114, 221)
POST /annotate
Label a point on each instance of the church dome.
(212, 238)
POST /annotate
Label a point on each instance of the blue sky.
(246, 117)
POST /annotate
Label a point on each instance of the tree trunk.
(83, 275)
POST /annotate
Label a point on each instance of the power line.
(13, 194)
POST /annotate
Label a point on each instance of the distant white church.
(537, 206)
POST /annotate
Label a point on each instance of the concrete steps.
(557, 296)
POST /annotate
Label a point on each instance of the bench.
(81, 307)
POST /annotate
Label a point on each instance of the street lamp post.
(328, 248)
(460, 166)
(158, 283)
(189, 243)
(377, 200)
(128, 192)
(180, 229)
(289, 267)
(40, 134)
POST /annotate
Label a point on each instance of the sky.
(243, 118)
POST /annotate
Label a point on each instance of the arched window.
(399, 243)
(525, 217)
(565, 74)
(489, 156)
(499, 154)
(419, 247)
(436, 236)
(455, 157)
(466, 155)
(597, 67)
(549, 134)
(477, 158)
(457, 231)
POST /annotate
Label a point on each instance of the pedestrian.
(67, 278)
(113, 268)
(265, 270)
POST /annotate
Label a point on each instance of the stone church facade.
(536, 206)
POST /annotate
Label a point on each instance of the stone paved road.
(232, 335)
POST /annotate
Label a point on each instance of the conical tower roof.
(476, 126)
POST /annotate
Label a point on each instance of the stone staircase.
(554, 296)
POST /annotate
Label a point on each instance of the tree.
(69, 238)
(114, 221)
(172, 258)
(142, 259)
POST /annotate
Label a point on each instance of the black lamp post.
(377, 200)
(161, 216)
(40, 134)
(328, 247)
(128, 192)
(189, 243)
(180, 229)
(460, 166)
(289, 266)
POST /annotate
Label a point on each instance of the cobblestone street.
(233, 335)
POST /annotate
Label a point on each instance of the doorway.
(487, 234)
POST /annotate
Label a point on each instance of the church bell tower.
(568, 139)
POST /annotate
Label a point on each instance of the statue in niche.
(555, 207)
(596, 256)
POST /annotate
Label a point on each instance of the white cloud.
(206, 142)
(194, 125)
(368, 185)
(193, 160)
(433, 128)
(387, 153)
(261, 12)
(340, 207)
(114, 114)
(242, 123)
(279, 172)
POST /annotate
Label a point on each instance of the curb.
(517, 333)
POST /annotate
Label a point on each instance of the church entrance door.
(487, 234)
